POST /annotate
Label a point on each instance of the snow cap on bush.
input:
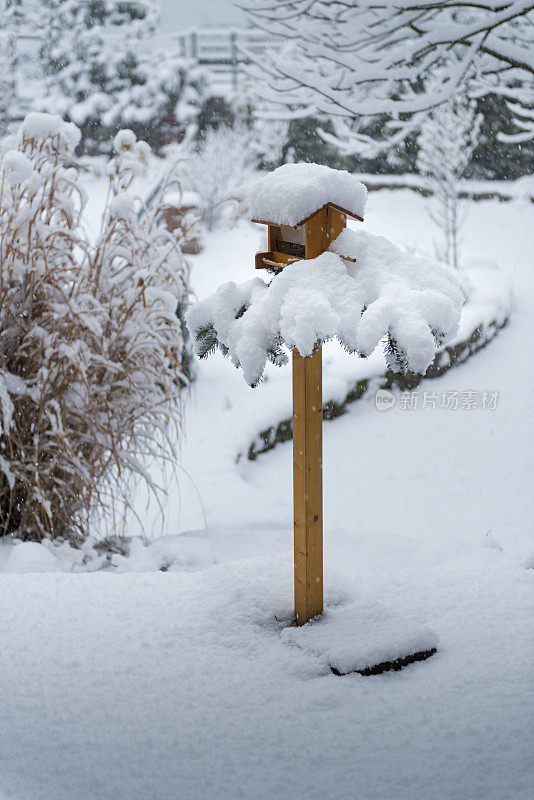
(42, 127)
(17, 167)
(411, 304)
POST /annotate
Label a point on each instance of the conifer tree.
(105, 72)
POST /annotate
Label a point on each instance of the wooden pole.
(321, 229)
(308, 484)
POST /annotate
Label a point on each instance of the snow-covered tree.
(224, 159)
(90, 344)
(7, 81)
(106, 70)
(447, 140)
(19, 68)
(13, 14)
(351, 60)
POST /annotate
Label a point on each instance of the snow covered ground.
(149, 685)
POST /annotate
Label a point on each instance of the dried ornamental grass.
(90, 344)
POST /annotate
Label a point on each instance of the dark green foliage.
(398, 160)
(493, 159)
(276, 354)
(104, 73)
(214, 112)
(305, 143)
(396, 356)
(206, 339)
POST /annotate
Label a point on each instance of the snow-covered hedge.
(89, 339)
(413, 303)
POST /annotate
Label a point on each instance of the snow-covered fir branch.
(363, 291)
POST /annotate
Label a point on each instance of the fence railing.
(224, 52)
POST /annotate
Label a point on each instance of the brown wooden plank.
(272, 222)
(308, 485)
(333, 207)
(307, 458)
(317, 234)
(335, 222)
(273, 232)
(322, 228)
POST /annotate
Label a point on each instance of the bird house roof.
(295, 192)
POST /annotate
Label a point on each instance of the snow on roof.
(294, 192)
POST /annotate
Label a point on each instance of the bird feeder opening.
(291, 241)
(286, 245)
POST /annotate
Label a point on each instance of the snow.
(361, 635)
(6, 404)
(490, 295)
(293, 192)
(367, 61)
(17, 167)
(37, 125)
(122, 206)
(124, 140)
(182, 683)
(164, 685)
(29, 557)
(413, 300)
(479, 189)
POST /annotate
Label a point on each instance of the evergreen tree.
(105, 72)
(492, 158)
(306, 143)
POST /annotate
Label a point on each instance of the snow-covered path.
(149, 686)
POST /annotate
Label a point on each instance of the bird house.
(309, 238)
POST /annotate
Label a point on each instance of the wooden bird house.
(307, 239)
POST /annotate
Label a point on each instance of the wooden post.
(308, 447)
(308, 484)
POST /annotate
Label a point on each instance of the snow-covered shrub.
(448, 137)
(89, 339)
(226, 158)
(412, 304)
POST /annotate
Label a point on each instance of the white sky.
(183, 14)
